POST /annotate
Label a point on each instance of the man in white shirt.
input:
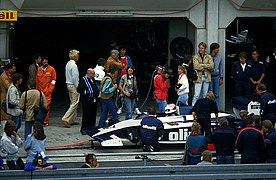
(99, 71)
(72, 81)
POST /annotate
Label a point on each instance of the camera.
(133, 95)
(177, 86)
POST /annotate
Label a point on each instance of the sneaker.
(119, 111)
(136, 111)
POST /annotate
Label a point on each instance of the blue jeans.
(135, 105)
(225, 160)
(183, 98)
(204, 86)
(161, 105)
(108, 104)
(28, 128)
(214, 86)
(18, 121)
(129, 104)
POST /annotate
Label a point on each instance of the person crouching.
(151, 130)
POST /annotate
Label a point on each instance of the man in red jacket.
(161, 85)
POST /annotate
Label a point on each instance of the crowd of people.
(199, 79)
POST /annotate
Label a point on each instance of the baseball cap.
(41, 155)
(114, 52)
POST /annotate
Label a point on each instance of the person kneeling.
(151, 131)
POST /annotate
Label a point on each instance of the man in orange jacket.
(45, 82)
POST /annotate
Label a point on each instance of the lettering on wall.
(7, 15)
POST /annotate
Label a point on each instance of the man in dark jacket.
(241, 72)
(250, 143)
(151, 129)
(224, 148)
(268, 103)
(270, 134)
(202, 112)
(191, 75)
(89, 94)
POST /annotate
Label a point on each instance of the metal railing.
(234, 171)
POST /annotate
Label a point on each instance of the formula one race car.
(176, 130)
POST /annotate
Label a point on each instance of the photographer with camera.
(161, 85)
(128, 87)
(182, 86)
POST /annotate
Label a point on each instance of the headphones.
(201, 158)
(160, 69)
(39, 161)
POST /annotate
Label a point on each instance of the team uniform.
(151, 129)
(241, 75)
(271, 146)
(268, 107)
(250, 143)
(45, 82)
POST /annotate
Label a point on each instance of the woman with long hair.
(11, 143)
(35, 142)
(128, 86)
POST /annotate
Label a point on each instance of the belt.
(214, 75)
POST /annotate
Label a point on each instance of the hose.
(66, 145)
(151, 82)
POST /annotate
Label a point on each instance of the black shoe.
(83, 133)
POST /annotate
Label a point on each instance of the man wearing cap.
(40, 162)
(114, 59)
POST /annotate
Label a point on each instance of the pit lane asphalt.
(63, 141)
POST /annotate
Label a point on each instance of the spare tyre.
(181, 46)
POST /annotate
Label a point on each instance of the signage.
(7, 15)
(181, 135)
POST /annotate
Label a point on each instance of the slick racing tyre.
(181, 46)
(134, 135)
